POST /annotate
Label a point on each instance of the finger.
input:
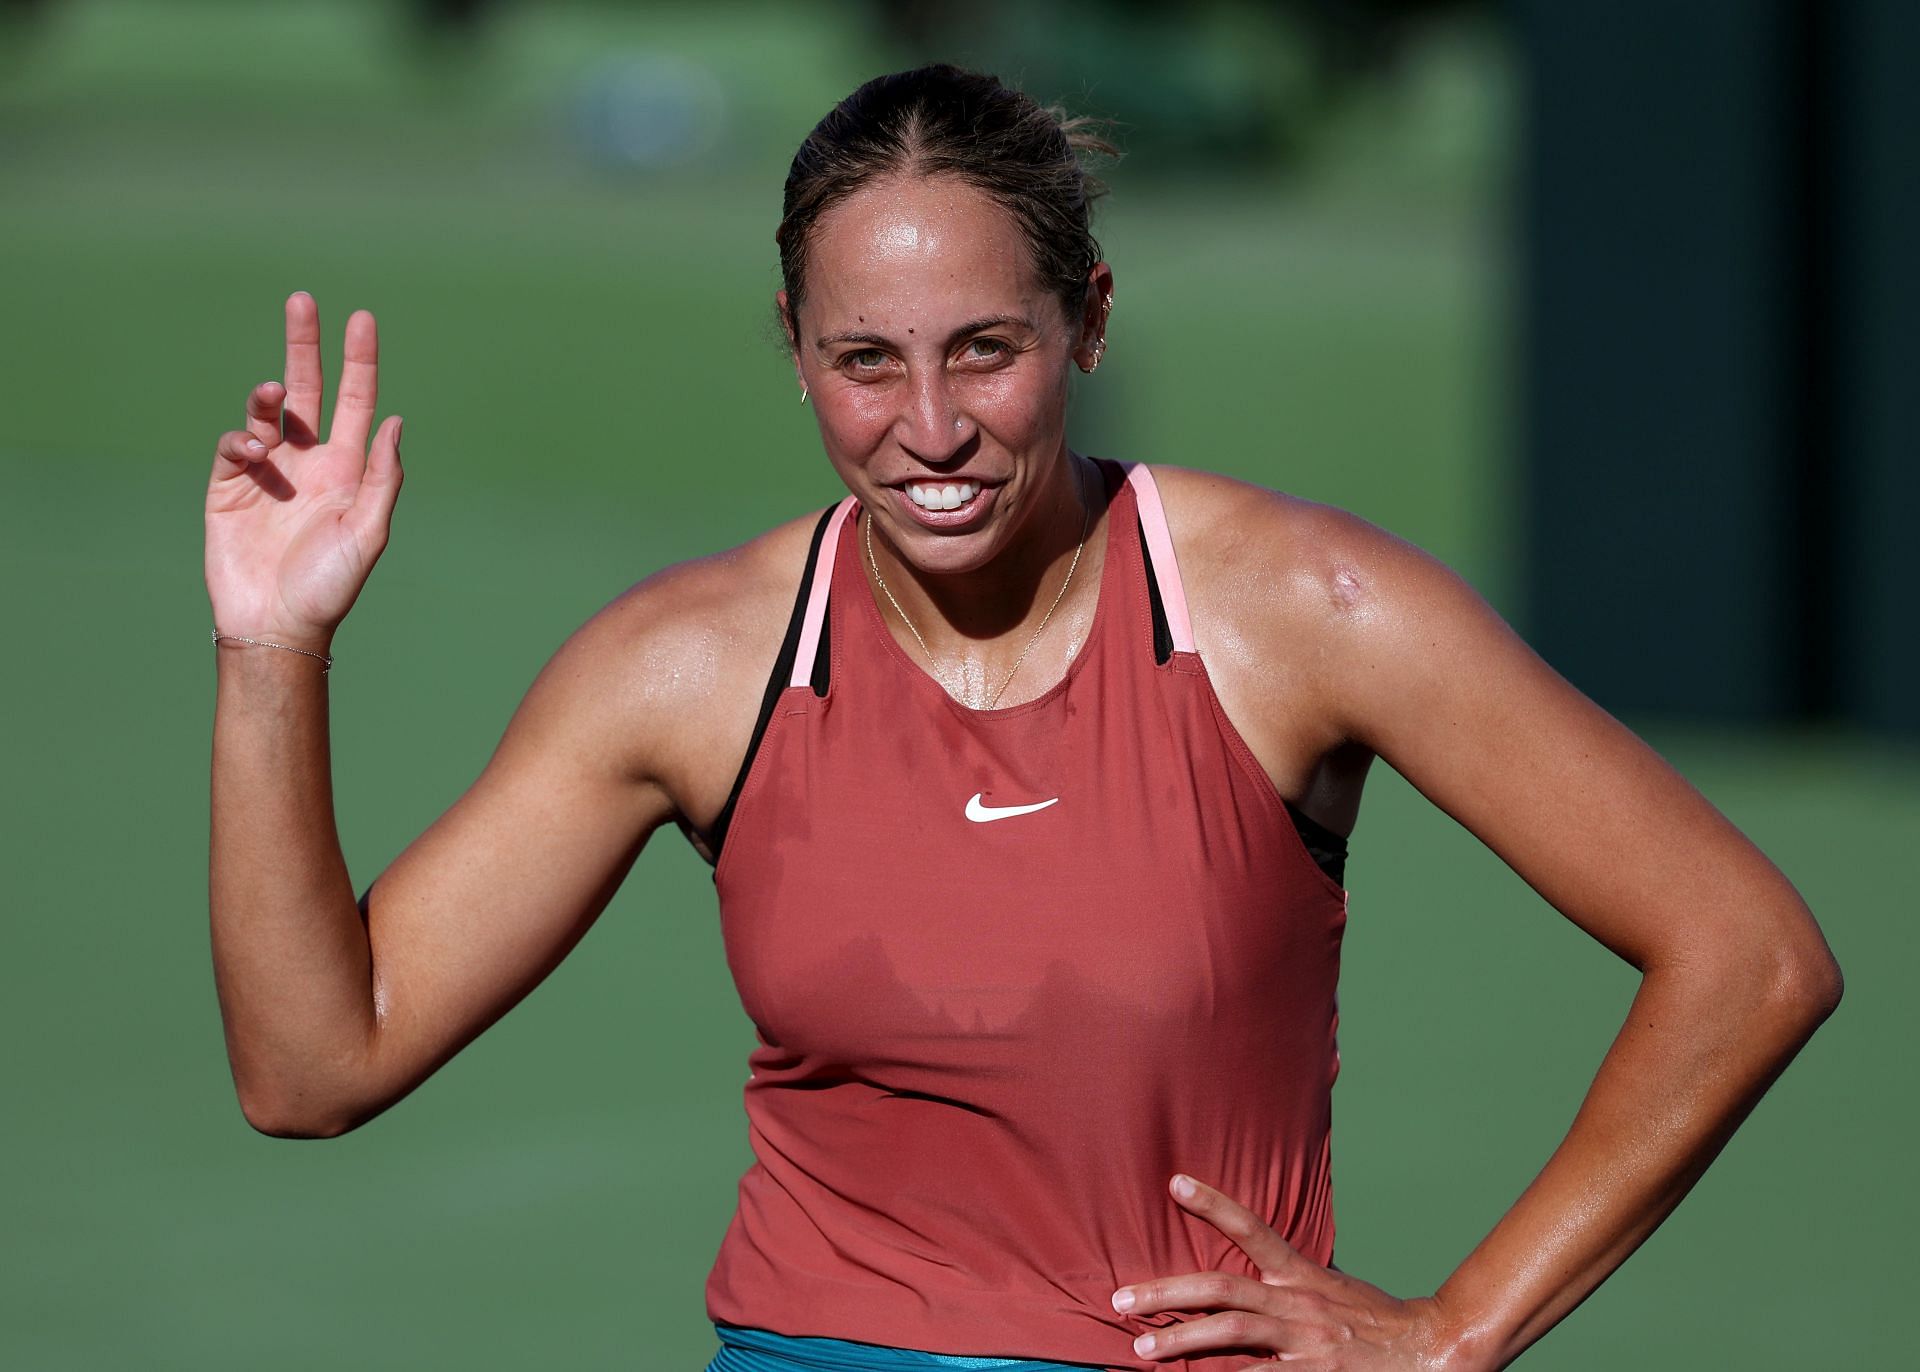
(236, 451)
(359, 383)
(263, 411)
(1277, 1259)
(371, 514)
(1209, 1291)
(1242, 1330)
(304, 384)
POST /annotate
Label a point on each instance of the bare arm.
(1735, 973)
(334, 1010)
(1385, 650)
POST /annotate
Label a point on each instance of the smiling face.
(937, 364)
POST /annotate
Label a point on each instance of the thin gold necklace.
(994, 699)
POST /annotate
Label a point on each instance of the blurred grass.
(591, 393)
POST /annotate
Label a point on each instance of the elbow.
(1769, 993)
(320, 1100)
(1809, 986)
(1799, 989)
(278, 1119)
(274, 1128)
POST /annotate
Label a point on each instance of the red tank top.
(1010, 970)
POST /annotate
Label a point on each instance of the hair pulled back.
(941, 120)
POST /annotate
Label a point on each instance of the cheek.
(1016, 402)
(855, 420)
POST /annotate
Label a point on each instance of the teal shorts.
(761, 1350)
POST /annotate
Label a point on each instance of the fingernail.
(398, 425)
(254, 445)
(1143, 1345)
(1183, 1186)
(1123, 1299)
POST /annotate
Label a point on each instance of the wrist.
(312, 646)
(1458, 1346)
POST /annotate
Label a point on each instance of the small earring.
(803, 395)
(1099, 351)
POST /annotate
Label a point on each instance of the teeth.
(951, 496)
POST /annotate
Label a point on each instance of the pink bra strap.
(809, 644)
(1166, 571)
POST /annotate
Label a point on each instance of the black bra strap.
(1162, 632)
(777, 681)
(1328, 849)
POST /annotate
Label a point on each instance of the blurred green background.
(563, 219)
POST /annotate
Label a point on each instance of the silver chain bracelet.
(326, 659)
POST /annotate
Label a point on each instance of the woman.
(1026, 777)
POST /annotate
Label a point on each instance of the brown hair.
(941, 120)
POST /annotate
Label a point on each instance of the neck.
(1018, 586)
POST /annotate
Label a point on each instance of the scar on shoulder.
(1347, 591)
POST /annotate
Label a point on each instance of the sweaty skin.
(928, 350)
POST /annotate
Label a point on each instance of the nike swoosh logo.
(981, 814)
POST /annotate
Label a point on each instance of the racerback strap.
(1162, 568)
(816, 611)
(808, 617)
(1173, 632)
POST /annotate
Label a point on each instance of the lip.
(957, 520)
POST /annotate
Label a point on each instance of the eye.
(864, 360)
(985, 350)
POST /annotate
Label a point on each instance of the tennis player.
(1026, 776)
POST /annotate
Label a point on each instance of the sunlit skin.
(1328, 641)
(929, 348)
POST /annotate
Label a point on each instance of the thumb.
(371, 514)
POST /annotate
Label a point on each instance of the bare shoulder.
(1354, 642)
(688, 616)
(669, 670)
(1324, 634)
(1258, 561)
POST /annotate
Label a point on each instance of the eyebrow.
(992, 321)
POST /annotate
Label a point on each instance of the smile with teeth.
(938, 495)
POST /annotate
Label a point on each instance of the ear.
(1092, 340)
(787, 321)
(789, 326)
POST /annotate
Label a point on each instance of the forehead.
(913, 250)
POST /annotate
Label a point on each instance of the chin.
(935, 554)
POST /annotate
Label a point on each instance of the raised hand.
(1316, 1317)
(295, 525)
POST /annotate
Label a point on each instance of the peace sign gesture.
(1316, 1317)
(295, 525)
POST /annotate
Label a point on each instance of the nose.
(932, 426)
